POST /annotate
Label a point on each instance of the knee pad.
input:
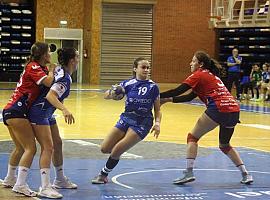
(191, 138)
(225, 148)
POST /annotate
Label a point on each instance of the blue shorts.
(38, 117)
(223, 119)
(42, 121)
(142, 126)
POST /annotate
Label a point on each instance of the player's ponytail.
(208, 63)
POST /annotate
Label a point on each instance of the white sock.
(242, 168)
(45, 177)
(22, 175)
(59, 173)
(190, 163)
(11, 171)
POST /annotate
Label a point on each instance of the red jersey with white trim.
(212, 91)
(28, 85)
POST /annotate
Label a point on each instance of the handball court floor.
(146, 171)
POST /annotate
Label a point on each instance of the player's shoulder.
(59, 73)
(128, 82)
(33, 66)
(152, 83)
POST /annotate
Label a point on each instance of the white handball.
(117, 92)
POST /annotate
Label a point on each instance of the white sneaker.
(188, 177)
(9, 182)
(25, 190)
(247, 179)
(64, 184)
(49, 192)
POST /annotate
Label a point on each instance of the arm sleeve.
(175, 92)
(184, 98)
(59, 88)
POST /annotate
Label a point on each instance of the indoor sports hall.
(109, 35)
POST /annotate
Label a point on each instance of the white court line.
(255, 149)
(36, 198)
(114, 179)
(124, 155)
(259, 126)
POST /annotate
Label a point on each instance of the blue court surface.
(146, 179)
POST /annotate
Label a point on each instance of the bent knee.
(105, 150)
(31, 149)
(225, 148)
(18, 150)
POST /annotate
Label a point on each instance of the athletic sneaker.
(100, 179)
(25, 190)
(9, 181)
(188, 177)
(49, 192)
(64, 184)
(247, 179)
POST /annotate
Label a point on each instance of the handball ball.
(118, 92)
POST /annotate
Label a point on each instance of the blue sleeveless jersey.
(140, 98)
(41, 111)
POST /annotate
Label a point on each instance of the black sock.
(110, 164)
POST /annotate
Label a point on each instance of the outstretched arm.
(179, 99)
(175, 92)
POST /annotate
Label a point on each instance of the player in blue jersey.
(136, 121)
(44, 124)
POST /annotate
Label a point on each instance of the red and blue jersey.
(212, 91)
(28, 87)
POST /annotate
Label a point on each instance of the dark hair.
(38, 49)
(65, 54)
(135, 64)
(208, 63)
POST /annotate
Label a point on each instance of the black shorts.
(223, 119)
(12, 113)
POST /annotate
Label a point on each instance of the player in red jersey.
(34, 76)
(222, 110)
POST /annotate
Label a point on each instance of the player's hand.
(69, 119)
(156, 130)
(52, 66)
